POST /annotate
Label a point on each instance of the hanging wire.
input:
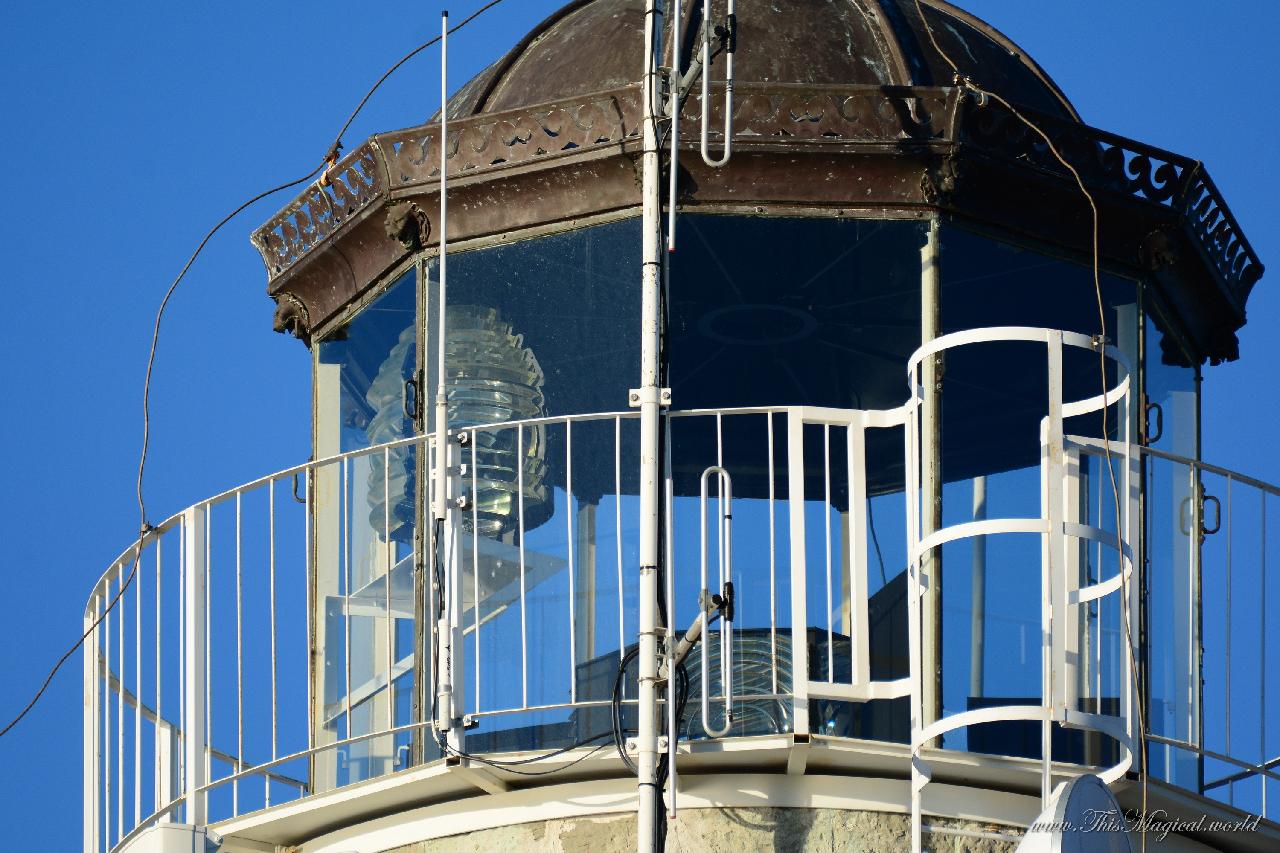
(326, 164)
(968, 84)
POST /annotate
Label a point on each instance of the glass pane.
(364, 529)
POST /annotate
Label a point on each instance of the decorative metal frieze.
(1220, 235)
(502, 139)
(889, 122)
(776, 112)
(320, 211)
(1112, 163)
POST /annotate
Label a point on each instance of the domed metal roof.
(842, 107)
(860, 42)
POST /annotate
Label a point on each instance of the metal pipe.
(651, 259)
(978, 600)
(931, 481)
(706, 86)
(673, 733)
(724, 558)
(673, 109)
(235, 786)
(91, 674)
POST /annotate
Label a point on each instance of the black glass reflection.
(996, 394)
(768, 312)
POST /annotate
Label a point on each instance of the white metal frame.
(1059, 531)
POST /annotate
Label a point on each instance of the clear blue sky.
(133, 126)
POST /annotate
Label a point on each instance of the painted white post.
(650, 404)
(194, 770)
(168, 777)
(799, 569)
(1053, 590)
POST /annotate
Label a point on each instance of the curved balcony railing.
(273, 642)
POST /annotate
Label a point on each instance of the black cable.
(510, 766)
(146, 439)
(619, 734)
(337, 142)
(329, 159)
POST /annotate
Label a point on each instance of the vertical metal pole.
(919, 770)
(106, 715)
(572, 568)
(931, 481)
(193, 523)
(164, 769)
(978, 597)
(773, 563)
(1053, 590)
(449, 683)
(120, 682)
(673, 733)
(799, 574)
(90, 694)
(826, 527)
(1226, 692)
(524, 602)
(647, 739)
(235, 786)
(137, 690)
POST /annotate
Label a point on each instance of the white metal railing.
(1215, 732)
(265, 649)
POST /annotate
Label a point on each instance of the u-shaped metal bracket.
(724, 555)
(730, 39)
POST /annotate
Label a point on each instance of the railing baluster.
(91, 677)
(137, 692)
(390, 620)
(524, 633)
(120, 682)
(1262, 656)
(826, 526)
(105, 666)
(194, 522)
(475, 562)
(345, 523)
(271, 603)
(306, 606)
(235, 786)
(568, 533)
(162, 772)
(208, 645)
(773, 555)
(617, 526)
(1226, 697)
(180, 755)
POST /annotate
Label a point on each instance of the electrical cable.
(329, 160)
(146, 527)
(337, 142)
(966, 83)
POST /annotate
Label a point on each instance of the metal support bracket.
(637, 397)
(633, 746)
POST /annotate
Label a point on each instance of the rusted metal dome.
(811, 42)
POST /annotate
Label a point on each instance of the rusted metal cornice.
(851, 147)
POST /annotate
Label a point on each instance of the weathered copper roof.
(861, 42)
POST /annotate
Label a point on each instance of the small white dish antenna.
(1082, 817)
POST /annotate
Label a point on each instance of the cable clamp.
(330, 160)
(633, 745)
(637, 397)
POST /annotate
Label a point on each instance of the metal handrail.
(111, 672)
